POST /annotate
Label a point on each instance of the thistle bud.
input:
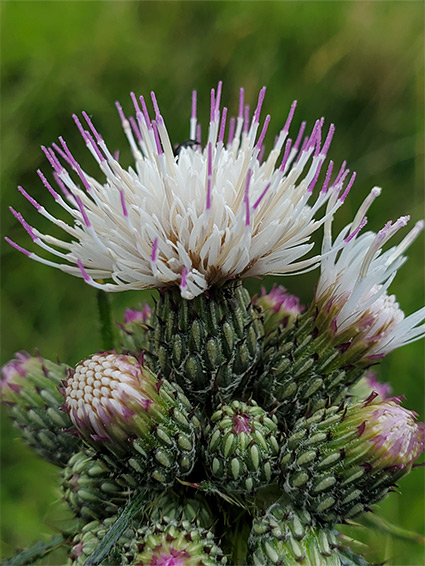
(86, 542)
(341, 460)
(31, 386)
(287, 537)
(134, 332)
(91, 489)
(169, 542)
(122, 409)
(280, 308)
(242, 445)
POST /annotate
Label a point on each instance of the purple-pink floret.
(402, 437)
(172, 558)
(281, 300)
(134, 315)
(241, 423)
(13, 367)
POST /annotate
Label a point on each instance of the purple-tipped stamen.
(290, 116)
(135, 102)
(327, 178)
(194, 102)
(340, 173)
(350, 184)
(75, 165)
(285, 155)
(209, 177)
(84, 273)
(135, 128)
(23, 223)
(95, 147)
(96, 134)
(121, 113)
(222, 125)
(29, 198)
(52, 159)
(184, 278)
(156, 136)
(260, 198)
(263, 132)
(83, 212)
(145, 112)
(18, 247)
(299, 136)
(261, 96)
(212, 109)
(48, 185)
(356, 231)
(328, 140)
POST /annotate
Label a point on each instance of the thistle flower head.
(396, 438)
(216, 211)
(279, 307)
(355, 276)
(121, 408)
(107, 393)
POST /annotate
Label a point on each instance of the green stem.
(105, 317)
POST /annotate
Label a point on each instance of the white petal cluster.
(213, 212)
(355, 276)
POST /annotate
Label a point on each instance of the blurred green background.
(359, 64)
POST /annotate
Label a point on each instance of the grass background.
(360, 64)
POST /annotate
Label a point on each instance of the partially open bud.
(287, 537)
(121, 408)
(369, 383)
(279, 308)
(31, 387)
(172, 543)
(341, 460)
(134, 331)
(242, 446)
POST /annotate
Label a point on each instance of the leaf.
(110, 539)
(36, 552)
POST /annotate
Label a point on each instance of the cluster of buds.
(266, 408)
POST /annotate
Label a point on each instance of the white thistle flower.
(355, 276)
(212, 213)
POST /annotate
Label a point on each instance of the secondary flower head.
(352, 288)
(119, 406)
(279, 306)
(216, 211)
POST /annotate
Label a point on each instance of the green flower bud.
(91, 489)
(286, 537)
(210, 344)
(32, 387)
(145, 425)
(86, 541)
(341, 460)
(173, 544)
(242, 445)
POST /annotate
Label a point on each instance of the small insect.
(187, 143)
